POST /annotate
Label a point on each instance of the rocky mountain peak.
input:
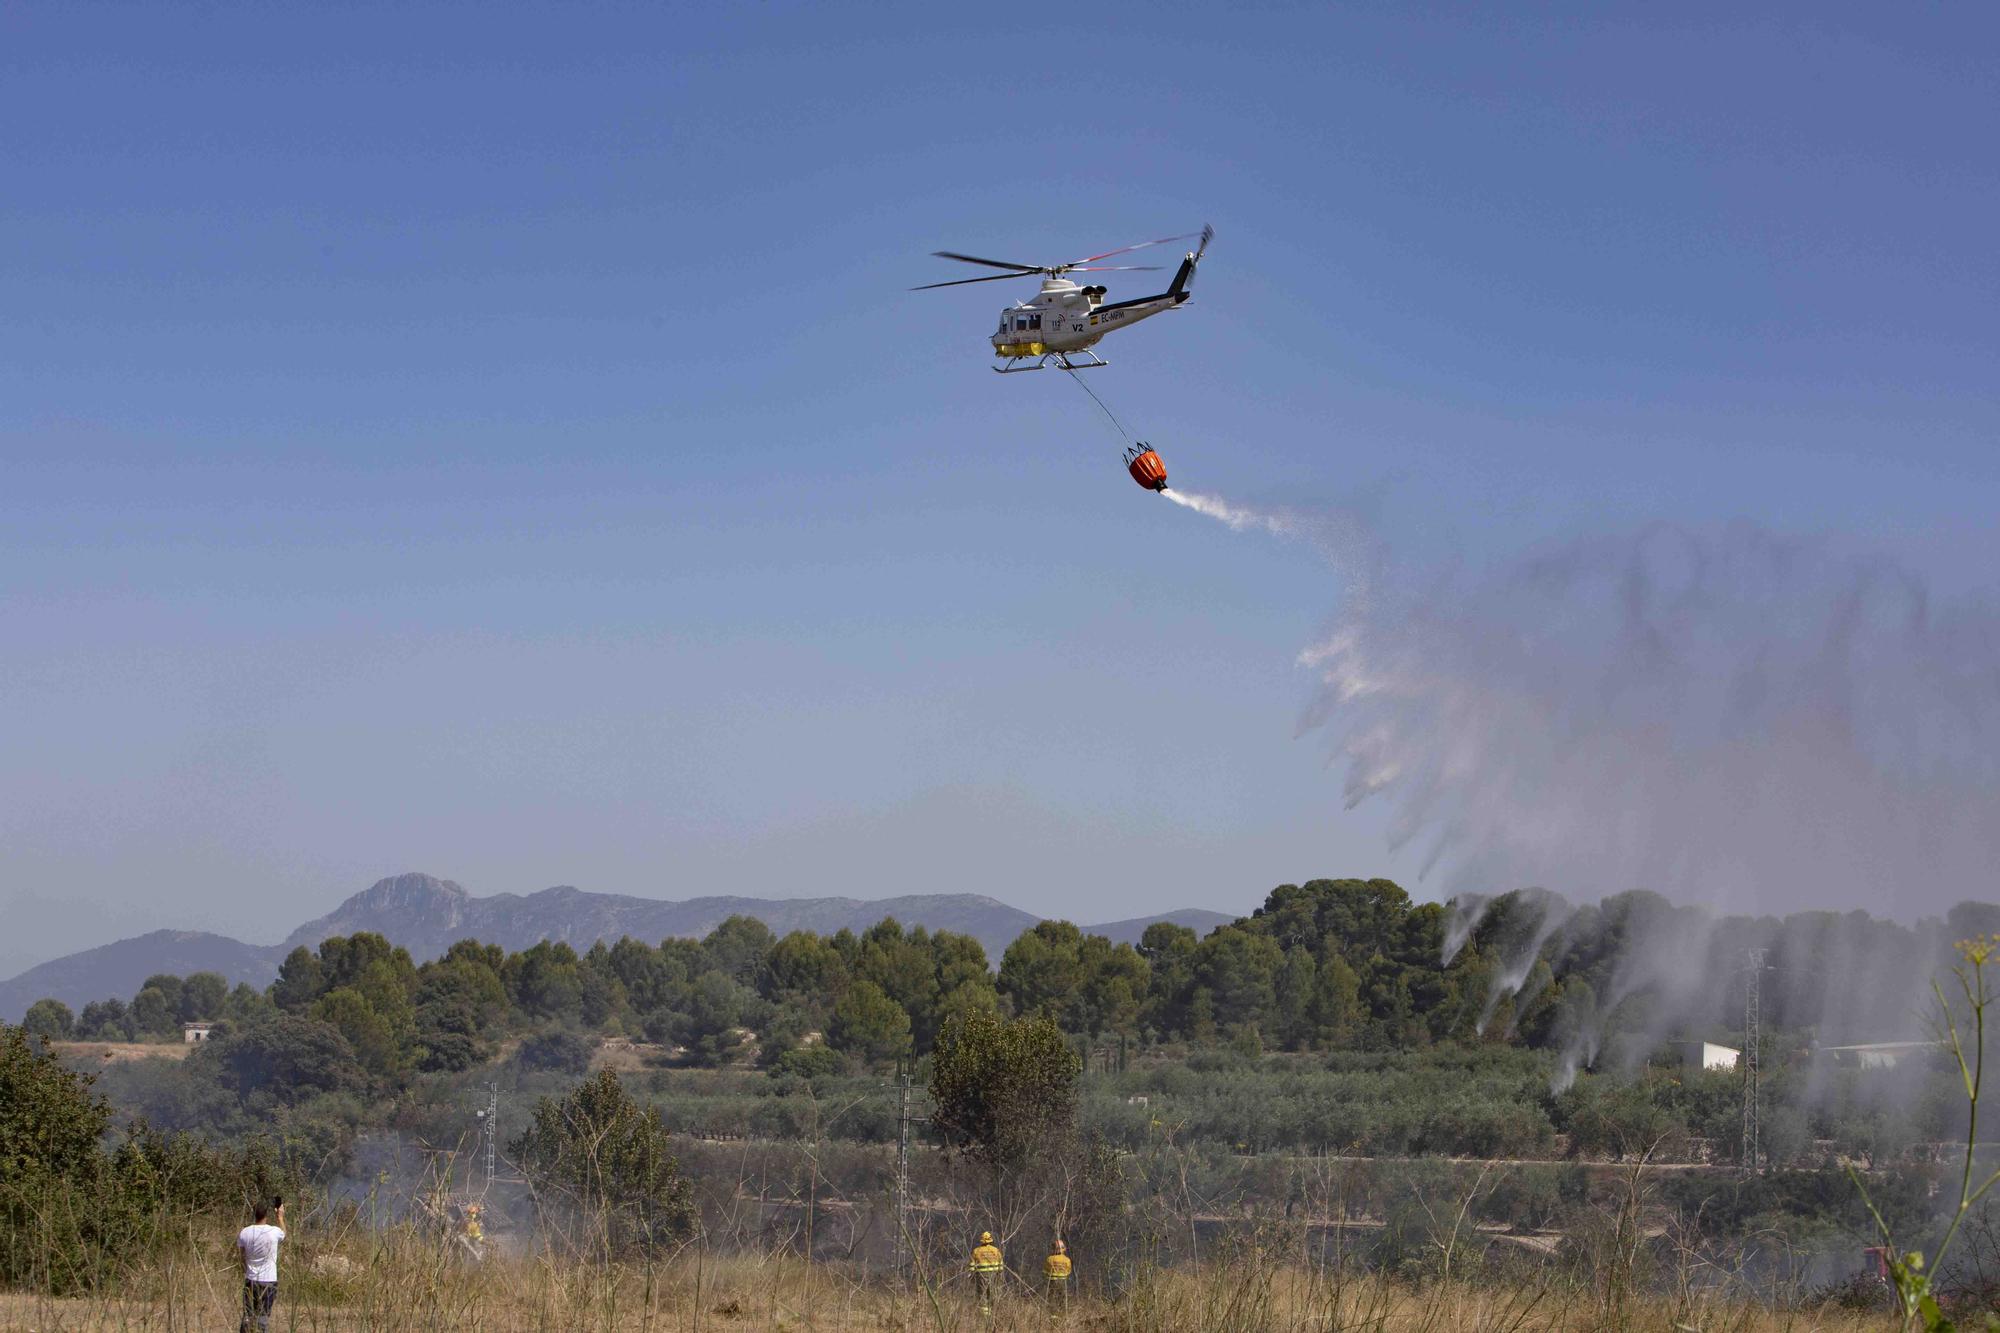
(413, 902)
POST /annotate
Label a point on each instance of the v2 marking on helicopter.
(1064, 319)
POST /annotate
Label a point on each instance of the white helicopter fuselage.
(1064, 317)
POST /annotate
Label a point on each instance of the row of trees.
(1370, 969)
(163, 1003)
(1326, 965)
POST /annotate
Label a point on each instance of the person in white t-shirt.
(259, 1243)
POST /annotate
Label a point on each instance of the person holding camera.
(259, 1244)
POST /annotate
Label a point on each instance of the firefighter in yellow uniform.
(1055, 1269)
(987, 1265)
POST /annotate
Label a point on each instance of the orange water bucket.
(1146, 468)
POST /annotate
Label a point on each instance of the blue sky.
(498, 440)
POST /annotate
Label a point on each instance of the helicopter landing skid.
(1060, 360)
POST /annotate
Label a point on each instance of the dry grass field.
(88, 1055)
(406, 1288)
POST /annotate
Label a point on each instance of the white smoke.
(1546, 914)
(1467, 911)
(1733, 719)
(1736, 720)
(1238, 517)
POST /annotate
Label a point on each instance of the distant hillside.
(427, 915)
(1129, 931)
(118, 969)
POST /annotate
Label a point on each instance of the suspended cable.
(1115, 424)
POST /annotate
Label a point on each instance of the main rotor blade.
(1114, 268)
(990, 263)
(991, 277)
(1123, 249)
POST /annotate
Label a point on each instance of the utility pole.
(902, 1169)
(492, 1127)
(904, 1119)
(1752, 1021)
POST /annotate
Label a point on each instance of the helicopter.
(1063, 322)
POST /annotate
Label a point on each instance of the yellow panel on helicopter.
(1021, 349)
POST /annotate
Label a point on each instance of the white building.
(194, 1032)
(1708, 1055)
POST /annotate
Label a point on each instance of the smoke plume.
(1738, 720)
(1732, 719)
(1237, 517)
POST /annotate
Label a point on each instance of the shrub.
(603, 1166)
(555, 1050)
(1003, 1090)
(806, 1062)
(50, 1020)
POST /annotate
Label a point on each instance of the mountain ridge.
(427, 915)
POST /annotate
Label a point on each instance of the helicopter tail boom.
(1176, 292)
(1178, 288)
